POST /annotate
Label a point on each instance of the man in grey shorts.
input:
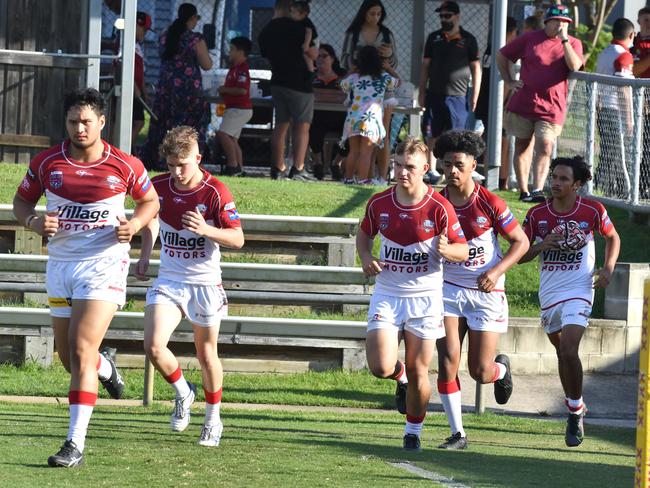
(281, 42)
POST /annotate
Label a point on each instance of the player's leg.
(419, 352)
(352, 160)
(485, 368)
(366, 150)
(228, 144)
(240, 156)
(449, 353)
(160, 321)
(205, 340)
(554, 338)
(572, 367)
(60, 327)
(382, 342)
(89, 321)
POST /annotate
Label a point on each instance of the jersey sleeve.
(515, 49)
(623, 65)
(139, 183)
(31, 188)
(226, 213)
(472, 49)
(604, 224)
(368, 224)
(428, 47)
(455, 234)
(505, 221)
(529, 226)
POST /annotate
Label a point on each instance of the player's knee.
(482, 373)
(381, 370)
(153, 350)
(568, 351)
(208, 359)
(414, 371)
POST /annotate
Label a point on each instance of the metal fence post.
(479, 399)
(637, 143)
(592, 90)
(147, 395)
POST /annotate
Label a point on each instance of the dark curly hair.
(89, 97)
(581, 170)
(369, 62)
(464, 141)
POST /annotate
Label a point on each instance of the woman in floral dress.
(364, 128)
(179, 97)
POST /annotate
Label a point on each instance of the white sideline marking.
(429, 475)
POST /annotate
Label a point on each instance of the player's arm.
(232, 237)
(477, 73)
(455, 252)
(641, 66)
(231, 90)
(518, 247)
(25, 213)
(148, 235)
(146, 208)
(371, 265)
(612, 249)
(551, 241)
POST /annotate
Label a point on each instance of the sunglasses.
(446, 16)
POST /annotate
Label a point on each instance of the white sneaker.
(180, 418)
(211, 436)
(379, 181)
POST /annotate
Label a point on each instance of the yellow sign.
(642, 468)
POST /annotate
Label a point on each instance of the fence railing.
(607, 124)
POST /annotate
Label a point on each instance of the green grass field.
(134, 447)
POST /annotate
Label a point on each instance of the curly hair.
(179, 142)
(89, 97)
(581, 170)
(464, 141)
(369, 62)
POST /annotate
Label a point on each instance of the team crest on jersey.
(428, 226)
(232, 211)
(584, 225)
(56, 179)
(202, 208)
(481, 221)
(543, 227)
(383, 221)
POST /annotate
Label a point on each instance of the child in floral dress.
(363, 127)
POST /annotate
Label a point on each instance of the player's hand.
(46, 225)
(551, 241)
(193, 221)
(513, 85)
(601, 278)
(125, 230)
(141, 268)
(372, 266)
(487, 280)
(443, 243)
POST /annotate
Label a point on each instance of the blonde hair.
(179, 142)
(412, 146)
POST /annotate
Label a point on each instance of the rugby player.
(197, 217)
(85, 181)
(473, 291)
(418, 229)
(561, 233)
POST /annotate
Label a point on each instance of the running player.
(197, 217)
(85, 181)
(418, 228)
(473, 291)
(561, 232)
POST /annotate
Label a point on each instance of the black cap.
(449, 7)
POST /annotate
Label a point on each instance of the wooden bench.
(244, 282)
(34, 325)
(329, 237)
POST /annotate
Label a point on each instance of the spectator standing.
(451, 59)
(179, 95)
(237, 98)
(368, 29)
(614, 114)
(143, 24)
(281, 42)
(538, 102)
(328, 77)
(641, 51)
(364, 126)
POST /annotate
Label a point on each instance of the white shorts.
(421, 316)
(484, 312)
(203, 305)
(571, 312)
(234, 120)
(92, 279)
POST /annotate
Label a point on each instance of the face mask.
(446, 25)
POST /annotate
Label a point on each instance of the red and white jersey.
(481, 218)
(412, 265)
(566, 273)
(185, 256)
(88, 197)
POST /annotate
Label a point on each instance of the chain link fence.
(607, 124)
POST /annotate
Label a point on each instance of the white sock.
(402, 376)
(179, 383)
(450, 397)
(79, 420)
(413, 427)
(502, 370)
(212, 414)
(575, 406)
(104, 370)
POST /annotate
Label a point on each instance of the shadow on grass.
(359, 198)
(364, 398)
